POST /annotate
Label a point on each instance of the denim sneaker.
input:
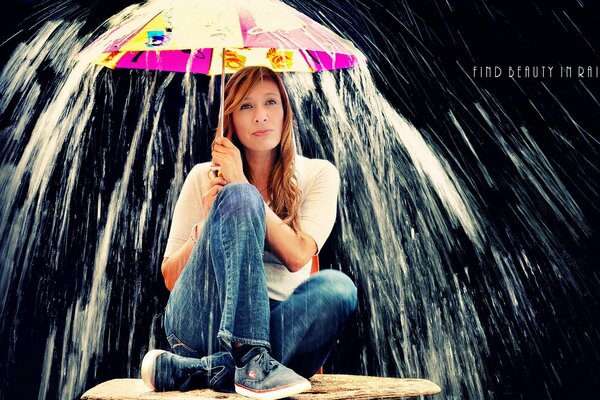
(164, 371)
(263, 377)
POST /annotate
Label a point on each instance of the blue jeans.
(221, 295)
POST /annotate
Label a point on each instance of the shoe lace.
(267, 362)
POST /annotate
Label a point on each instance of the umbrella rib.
(133, 34)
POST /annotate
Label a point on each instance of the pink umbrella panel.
(199, 61)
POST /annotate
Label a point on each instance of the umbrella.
(216, 37)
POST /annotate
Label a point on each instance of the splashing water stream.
(96, 175)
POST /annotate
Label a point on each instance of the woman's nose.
(261, 115)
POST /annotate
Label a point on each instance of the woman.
(244, 311)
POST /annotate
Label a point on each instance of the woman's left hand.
(229, 158)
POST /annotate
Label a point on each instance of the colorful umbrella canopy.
(201, 36)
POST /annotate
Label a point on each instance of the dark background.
(422, 62)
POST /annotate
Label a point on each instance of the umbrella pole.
(214, 168)
(222, 107)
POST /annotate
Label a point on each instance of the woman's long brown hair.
(283, 186)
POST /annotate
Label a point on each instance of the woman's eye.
(271, 101)
(245, 106)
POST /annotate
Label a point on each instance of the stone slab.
(324, 387)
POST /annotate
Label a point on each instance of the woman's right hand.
(216, 184)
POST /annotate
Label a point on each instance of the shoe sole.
(273, 394)
(148, 367)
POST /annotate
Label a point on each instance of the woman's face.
(258, 121)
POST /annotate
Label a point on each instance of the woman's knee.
(241, 196)
(338, 289)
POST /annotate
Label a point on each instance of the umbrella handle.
(215, 170)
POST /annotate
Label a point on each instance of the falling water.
(92, 163)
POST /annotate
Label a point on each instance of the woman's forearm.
(172, 266)
(292, 249)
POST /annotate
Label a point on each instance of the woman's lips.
(263, 132)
